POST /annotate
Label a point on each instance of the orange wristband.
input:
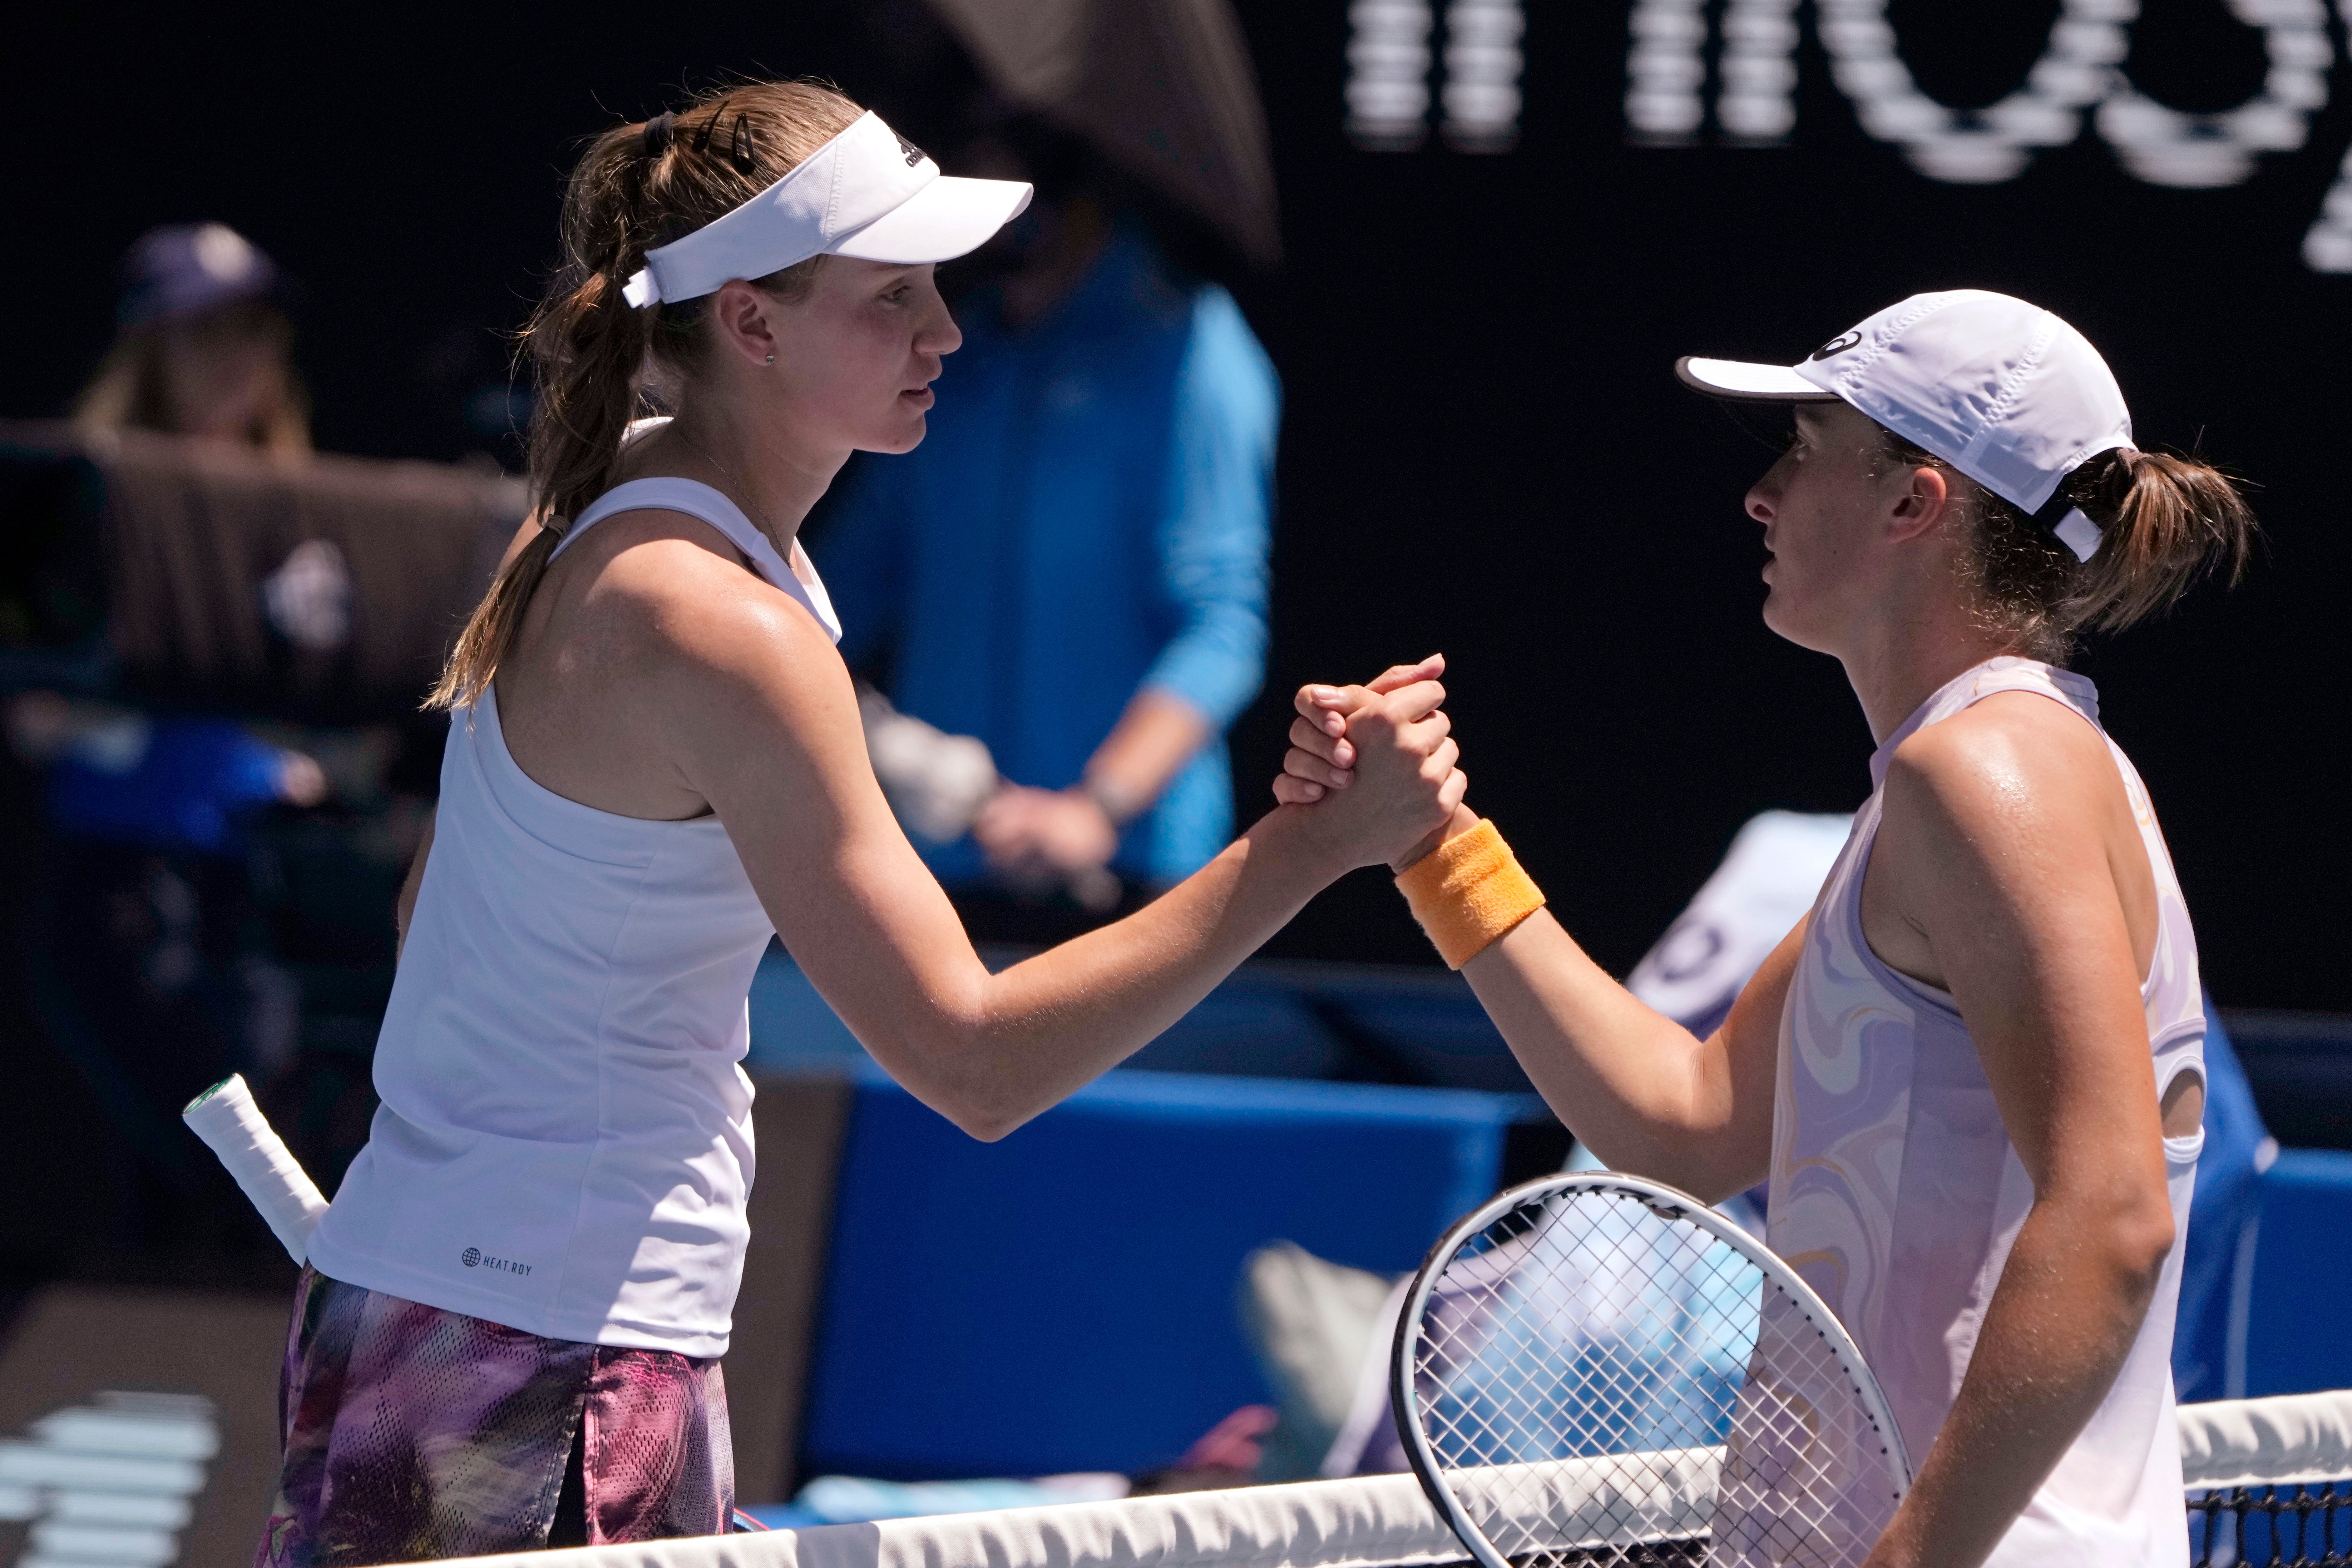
(1468, 891)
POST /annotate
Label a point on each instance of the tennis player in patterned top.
(1973, 1073)
(510, 1329)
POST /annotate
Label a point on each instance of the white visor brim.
(866, 193)
(1742, 382)
(950, 216)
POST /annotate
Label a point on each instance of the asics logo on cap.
(914, 155)
(2005, 392)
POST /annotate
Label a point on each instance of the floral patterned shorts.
(414, 1432)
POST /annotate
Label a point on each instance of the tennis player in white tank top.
(1973, 1073)
(510, 1333)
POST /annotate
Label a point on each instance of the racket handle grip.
(225, 1117)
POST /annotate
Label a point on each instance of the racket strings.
(1635, 1338)
(1604, 1381)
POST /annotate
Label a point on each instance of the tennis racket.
(1599, 1369)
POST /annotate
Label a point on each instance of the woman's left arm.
(2000, 874)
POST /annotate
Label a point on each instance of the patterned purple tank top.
(1897, 1195)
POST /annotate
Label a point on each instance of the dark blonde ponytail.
(2165, 520)
(637, 187)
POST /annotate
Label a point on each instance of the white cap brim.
(1744, 383)
(947, 218)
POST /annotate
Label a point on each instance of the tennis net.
(2269, 1481)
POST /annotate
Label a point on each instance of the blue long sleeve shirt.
(168, 783)
(1088, 516)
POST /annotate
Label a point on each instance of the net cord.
(1357, 1523)
(2291, 1439)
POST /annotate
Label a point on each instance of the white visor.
(866, 194)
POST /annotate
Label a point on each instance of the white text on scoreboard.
(1731, 65)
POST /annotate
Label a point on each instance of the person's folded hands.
(1045, 835)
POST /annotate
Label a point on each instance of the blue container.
(2298, 1331)
(1065, 1300)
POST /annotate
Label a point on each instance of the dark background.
(1485, 451)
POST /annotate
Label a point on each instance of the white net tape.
(2269, 1481)
(2290, 1439)
(1594, 1358)
(1362, 1523)
(1381, 1520)
(1378, 1520)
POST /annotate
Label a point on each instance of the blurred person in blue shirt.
(1073, 567)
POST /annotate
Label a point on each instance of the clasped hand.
(1377, 764)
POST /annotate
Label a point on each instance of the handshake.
(1375, 765)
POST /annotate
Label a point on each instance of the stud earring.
(771, 359)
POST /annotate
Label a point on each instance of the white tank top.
(1897, 1195)
(565, 1144)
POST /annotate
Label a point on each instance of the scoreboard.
(1729, 69)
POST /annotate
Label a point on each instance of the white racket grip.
(233, 1127)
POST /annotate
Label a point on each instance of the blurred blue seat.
(2297, 1274)
(793, 1029)
(1357, 1023)
(1065, 1300)
(2238, 1149)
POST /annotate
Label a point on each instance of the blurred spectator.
(148, 964)
(1072, 568)
(200, 351)
(201, 347)
(174, 784)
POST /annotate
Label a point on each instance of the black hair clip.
(741, 150)
(659, 132)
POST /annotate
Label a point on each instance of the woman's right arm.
(766, 730)
(1639, 1089)
(1636, 1087)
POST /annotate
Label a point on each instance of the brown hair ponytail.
(637, 187)
(2165, 519)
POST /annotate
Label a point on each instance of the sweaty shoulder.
(2010, 806)
(2009, 737)
(2015, 755)
(674, 591)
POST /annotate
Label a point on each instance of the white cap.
(2005, 392)
(867, 194)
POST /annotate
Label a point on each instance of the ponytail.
(2164, 521)
(588, 347)
(490, 630)
(637, 187)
